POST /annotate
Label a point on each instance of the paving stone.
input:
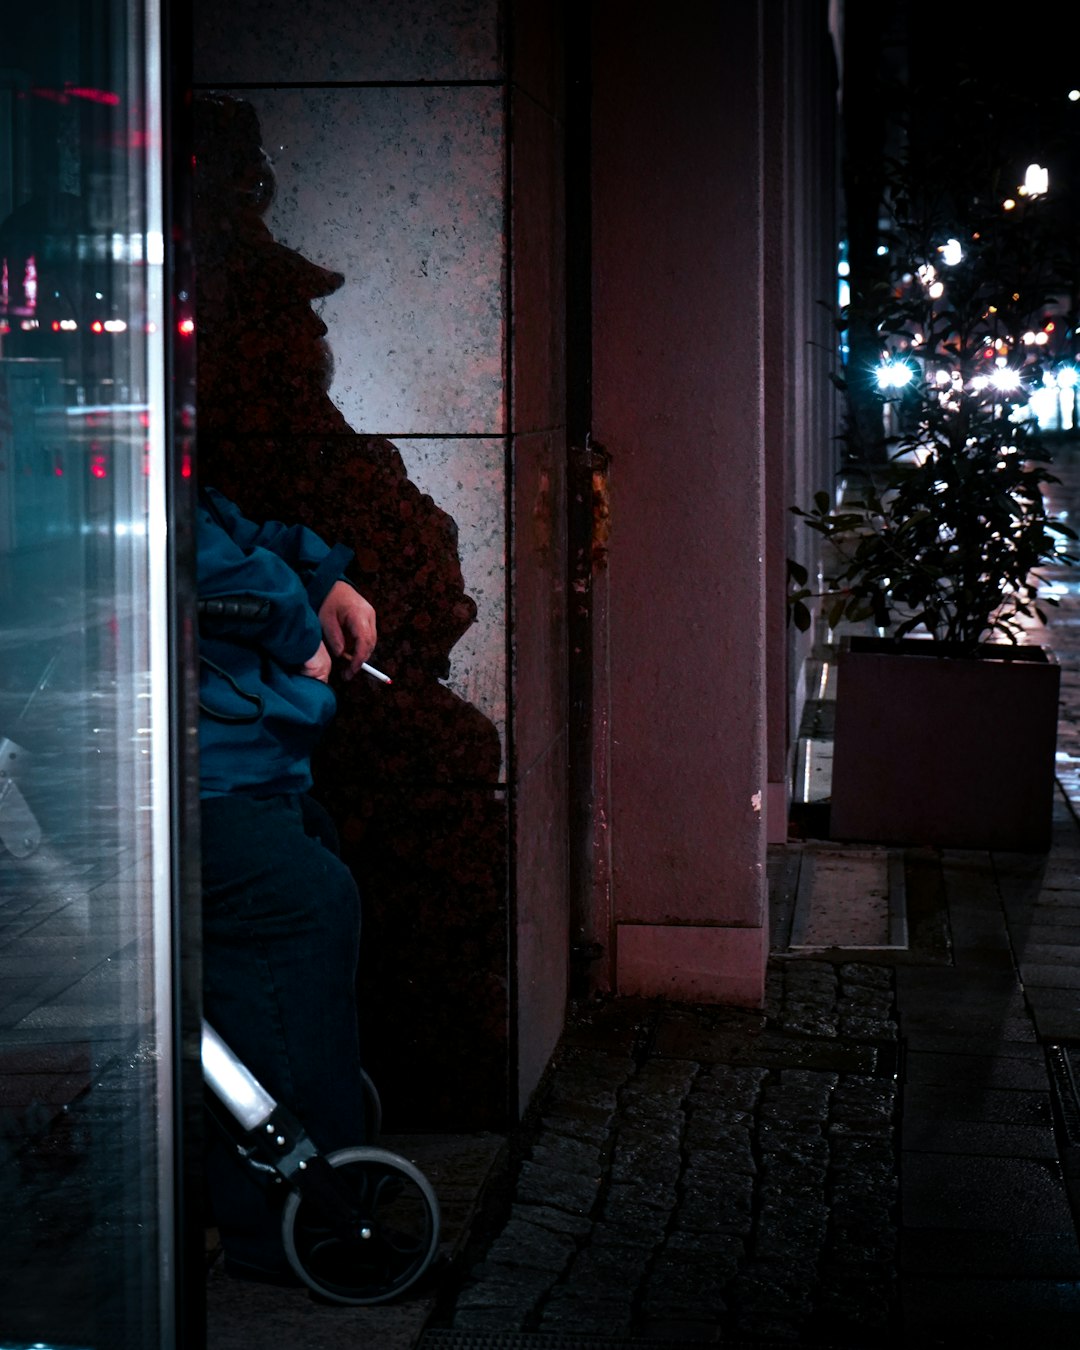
(585, 1314)
(1011, 1313)
(783, 1289)
(526, 1244)
(643, 1210)
(924, 1102)
(547, 1216)
(1054, 998)
(810, 978)
(1017, 1195)
(703, 1210)
(1017, 1039)
(634, 1161)
(801, 1147)
(607, 1268)
(723, 1251)
(805, 1019)
(495, 1284)
(872, 977)
(579, 1121)
(980, 1137)
(868, 1029)
(1051, 933)
(648, 1237)
(732, 1144)
(862, 1300)
(685, 1286)
(1056, 1024)
(663, 1081)
(667, 1126)
(495, 1320)
(1006, 1255)
(1057, 974)
(984, 1071)
(790, 1226)
(865, 999)
(572, 1191)
(566, 1154)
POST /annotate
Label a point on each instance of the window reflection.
(85, 1033)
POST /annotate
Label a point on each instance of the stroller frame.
(359, 1225)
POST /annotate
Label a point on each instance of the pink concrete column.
(678, 403)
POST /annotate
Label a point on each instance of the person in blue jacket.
(281, 912)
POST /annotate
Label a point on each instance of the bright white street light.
(1036, 180)
(894, 375)
(1005, 379)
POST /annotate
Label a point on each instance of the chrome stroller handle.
(233, 1083)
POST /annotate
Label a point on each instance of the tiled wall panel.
(467, 478)
(402, 191)
(400, 186)
(327, 41)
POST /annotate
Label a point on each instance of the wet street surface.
(886, 1154)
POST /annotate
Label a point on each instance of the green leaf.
(836, 611)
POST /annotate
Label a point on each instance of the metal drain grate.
(434, 1339)
(1063, 1066)
(534, 1340)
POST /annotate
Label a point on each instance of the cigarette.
(377, 673)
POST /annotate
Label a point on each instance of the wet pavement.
(887, 1154)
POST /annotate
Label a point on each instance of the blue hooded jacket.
(260, 718)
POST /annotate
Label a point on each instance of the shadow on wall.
(410, 771)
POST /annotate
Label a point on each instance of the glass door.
(88, 1035)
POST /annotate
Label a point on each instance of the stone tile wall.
(384, 123)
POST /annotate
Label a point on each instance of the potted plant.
(946, 718)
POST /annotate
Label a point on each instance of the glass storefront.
(88, 1027)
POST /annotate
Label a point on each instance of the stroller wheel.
(391, 1242)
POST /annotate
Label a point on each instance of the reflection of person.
(281, 916)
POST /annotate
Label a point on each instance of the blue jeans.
(281, 936)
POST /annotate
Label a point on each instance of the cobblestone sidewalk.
(699, 1174)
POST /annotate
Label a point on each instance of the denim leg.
(281, 928)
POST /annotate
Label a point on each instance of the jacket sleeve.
(316, 564)
(239, 559)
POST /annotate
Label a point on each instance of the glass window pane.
(86, 1037)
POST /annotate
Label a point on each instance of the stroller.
(359, 1225)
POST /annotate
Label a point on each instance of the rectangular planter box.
(936, 748)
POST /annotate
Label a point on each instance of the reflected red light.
(58, 470)
(93, 95)
(144, 419)
(98, 466)
(185, 466)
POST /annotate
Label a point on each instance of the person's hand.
(318, 667)
(348, 624)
